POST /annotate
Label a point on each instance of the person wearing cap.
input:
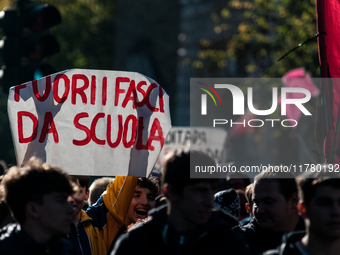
(188, 223)
(228, 202)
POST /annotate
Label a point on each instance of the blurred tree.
(250, 37)
(269, 30)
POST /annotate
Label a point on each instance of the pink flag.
(298, 78)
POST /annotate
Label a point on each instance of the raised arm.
(117, 200)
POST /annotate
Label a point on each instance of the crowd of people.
(46, 211)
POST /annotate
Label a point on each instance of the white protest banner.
(207, 139)
(90, 122)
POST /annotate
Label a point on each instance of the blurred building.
(146, 34)
(163, 39)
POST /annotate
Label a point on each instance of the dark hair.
(309, 182)
(150, 183)
(97, 187)
(84, 181)
(30, 183)
(179, 163)
(285, 180)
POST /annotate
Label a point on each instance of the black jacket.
(14, 241)
(288, 245)
(260, 240)
(157, 237)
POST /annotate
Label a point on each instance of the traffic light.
(38, 44)
(10, 48)
(25, 54)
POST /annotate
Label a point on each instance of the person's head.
(249, 197)
(320, 203)
(190, 200)
(36, 195)
(275, 201)
(78, 199)
(237, 181)
(97, 187)
(228, 202)
(143, 199)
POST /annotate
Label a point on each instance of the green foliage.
(256, 33)
(85, 34)
(267, 31)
